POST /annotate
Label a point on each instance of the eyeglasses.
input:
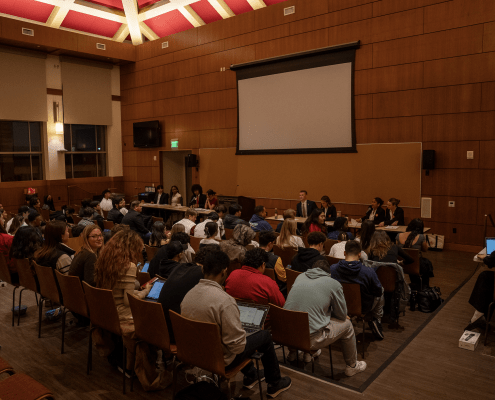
(96, 236)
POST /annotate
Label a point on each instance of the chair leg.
(229, 388)
(42, 300)
(489, 317)
(259, 379)
(313, 365)
(19, 314)
(13, 306)
(133, 372)
(283, 353)
(124, 368)
(36, 298)
(363, 337)
(90, 350)
(174, 379)
(331, 360)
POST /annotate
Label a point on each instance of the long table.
(181, 209)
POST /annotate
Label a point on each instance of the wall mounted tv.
(147, 134)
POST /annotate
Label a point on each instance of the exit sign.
(174, 144)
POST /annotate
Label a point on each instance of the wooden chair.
(192, 351)
(143, 277)
(387, 277)
(414, 268)
(77, 208)
(45, 214)
(27, 280)
(250, 247)
(270, 272)
(489, 316)
(108, 224)
(76, 218)
(5, 367)
(48, 290)
(285, 253)
(233, 266)
(154, 219)
(194, 242)
(22, 387)
(305, 240)
(103, 314)
(332, 260)
(151, 326)
(257, 237)
(352, 294)
(105, 214)
(151, 251)
(291, 278)
(229, 233)
(70, 232)
(6, 277)
(74, 298)
(297, 337)
(328, 245)
(75, 243)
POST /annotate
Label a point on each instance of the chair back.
(108, 224)
(387, 276)
(194, 242)
(151, 251)
(77, 208)
(76, 218)
(72, 293)
(257, 237)
(102, 310)
(154, 219)
(352, 294)
(413, 268)
(291, 278)
(26, 275)
(234, 264)
(4, 270)
(305, 240)
(250, 247)
(48, 283)
(328, 245)
(70, 231)
(105, 214)
(285, 253)
(149, 322)
(270, 272)
(45, 214)
(143, 277)
(298, 334)
(229, 234)
(332, 260)
(192, 351)
(75, 243)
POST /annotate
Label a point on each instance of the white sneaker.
(307, 356)
(360, 367)
(293, 354)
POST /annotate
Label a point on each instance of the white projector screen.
(301, 103)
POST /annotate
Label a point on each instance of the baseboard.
(463, 247)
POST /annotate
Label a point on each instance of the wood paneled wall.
(425, 72)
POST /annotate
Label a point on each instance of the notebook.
(145, 267)
(252, 316)
(155, 291)
(490, 245)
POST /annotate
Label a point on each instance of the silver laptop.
(253, 316)
(490, 245)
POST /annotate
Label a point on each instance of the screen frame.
(325, 56)
(157, 137)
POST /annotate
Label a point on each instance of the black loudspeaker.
(428, 160)
(191, 160)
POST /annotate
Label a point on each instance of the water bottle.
(276, 214)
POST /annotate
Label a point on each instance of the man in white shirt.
(188, 220)
(199, 231)
(305, 207)
(106, 202)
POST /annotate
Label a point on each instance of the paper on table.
(392, 227)
(353, 221)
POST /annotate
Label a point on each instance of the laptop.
(253, 316)
(490, 245)
(155, 291)
(145, 267)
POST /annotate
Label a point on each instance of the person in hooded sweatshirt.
(306, 257)
(234, 217)
(322, 297)
(351, 270)
(257, 221)
(175, 249)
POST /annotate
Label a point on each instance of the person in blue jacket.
(257, 221)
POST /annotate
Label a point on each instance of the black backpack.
(429, 299)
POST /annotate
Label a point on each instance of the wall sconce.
(59, 125)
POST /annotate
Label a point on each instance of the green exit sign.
(174, 143)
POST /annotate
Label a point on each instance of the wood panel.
(389, 130)
(389, 79)
(489, 37)
(383, 7)
(458, 127)
(398, 25)
(488, 96)
(487, 150)
(454, 154)
(334, 5)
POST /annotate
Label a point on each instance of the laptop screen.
(155, 290)
(145, 267)
(490, 245)
(251, 315)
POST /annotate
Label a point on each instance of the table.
(182, 209)
(482, 253)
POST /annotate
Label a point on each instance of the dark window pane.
(68, 166)
(102, 165)
(100, 137)
(35, 130)
(20, 131)
(7, 168)
(15, 168)
(6, 137)
(83, 138)
(37, 168)
(67, 144)
(84, 165)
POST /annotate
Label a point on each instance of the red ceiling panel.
(169, 23)
(206, 11)
(90, 24)
(109, 3)
(28, 9)
(271, 2)
(146, 3)
(239, 6)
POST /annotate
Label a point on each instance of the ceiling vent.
(425, 207)
(164, 45)
(28, 32)
(101, 46)
(289, 10)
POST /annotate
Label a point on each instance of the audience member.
(69, 212)
(340, 225)
(366, 233)
(137, 221)
(288, 214)
(16, 223)
(189, 221)
(185, 239)
(106, 203)
(208, 302)
(170, 261)
(267, 241)
(383, 250)
(5, 245)
(305, 207)
(338, 249)
(234, 217)
(322, 297)
(211, 201)
(114, 214)
(199, 230)
(23, 212)
(351, 270)
(84, 203)
(306, 257)
(34, 204)
(221, 210)
(48, 203)
(198, 199)
(34, 220)
(235, 247)
(158, 236)
(55, 253)
(287, 237)
(86, 220)
(375, 212)
(394, 215)
(257, 221)
(97, 217)
(315, 222)
(328, 208)
(211, 231)
(83, 264)
(26, 242)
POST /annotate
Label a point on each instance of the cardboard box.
(469, 340)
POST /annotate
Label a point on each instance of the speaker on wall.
(191, 161)
(428, 160)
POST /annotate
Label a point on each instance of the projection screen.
(300, 103)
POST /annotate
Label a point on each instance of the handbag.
(435, 242)
(428, 299)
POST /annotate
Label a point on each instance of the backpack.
(201, 391)
(429, 299)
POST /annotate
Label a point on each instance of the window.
(86, 155)
(20, 151)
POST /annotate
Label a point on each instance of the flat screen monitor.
(147, 134)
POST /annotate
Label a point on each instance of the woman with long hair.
(48, 203)
(288, 235)
(340, 225)
(26, 242)
(55, 253)
(16, 223)
(315, 222)
(198, 199)
(413, 237)
(158, 235)
(328, 208)
(211, 230)
(394, 215)
(375, 212)
(175, 197)
(383, 250)
(367, 231)
(83, 264)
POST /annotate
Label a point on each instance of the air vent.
(289, 10)
(101, 46)
(425, 207)
(164, 45)
(28, 32)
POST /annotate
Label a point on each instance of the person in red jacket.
(249, 282)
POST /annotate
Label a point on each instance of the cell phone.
(151, 281)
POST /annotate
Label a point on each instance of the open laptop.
(490, 245)
(155, 291)
(252, 316)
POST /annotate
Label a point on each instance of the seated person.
(5, 245)
(211, 232)
(84, 203)
(305, 207)
(208, 302)
(86, 220)
(189, 221)
(249, 282)
(137, 221)
(160, 197)
(185, 239)
(48, 203)
(97, 217)
(158, 236)
(221, 210)
(34, 220)
(328, 208)
(315, 222)
(288, 214)
(288, 235)
(23, 212)
(338, 249)
(83, 264)
(175, 197)
(267, 241)
(236, 246)
(34, 204)
(199, 230)
(106, 203)
(55, 253)
(167, 264)
(394, 215)
(234, 217)
(198, 199)
(351, 270)
(375, 212)
(322, 297)
(115, 214)
(306, 257)
(179, 282)
(365, 235)
(257, 221)
(340, 225)
(25, 243)
(211, 201)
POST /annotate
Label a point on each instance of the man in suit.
(137, 221)
(305, 207)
